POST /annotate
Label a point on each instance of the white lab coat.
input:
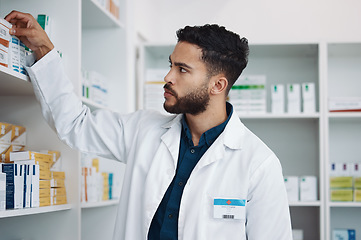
(238, 165)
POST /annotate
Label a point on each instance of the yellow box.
(5, 133)
(45, 175)
(31, 155)
(54, 183)
(43, 166)
(44, 201)
(56, 155)
(341, 195)
(44, 184)
(18, 135)
(44, 192)
(341, 182)
(5, 150)
(58, 200)
(57, 175)
(95, 163)
(55, 192)
(357, 197)
(357, 183)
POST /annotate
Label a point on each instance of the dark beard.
(193, 103)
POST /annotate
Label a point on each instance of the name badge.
(229, 208)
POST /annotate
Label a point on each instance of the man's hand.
(28, 30)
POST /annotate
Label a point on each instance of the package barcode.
(228, 216)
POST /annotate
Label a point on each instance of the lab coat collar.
(232, 138)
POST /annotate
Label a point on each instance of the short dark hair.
(223, 51)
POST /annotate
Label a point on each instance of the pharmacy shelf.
(99, 204)
(96, 16)
(14, 83)
(305, 204)
(345, 204)
(280, 116)
(344, 115)
(31, 211)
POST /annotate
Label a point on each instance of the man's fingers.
(25, 17)
(22, 32)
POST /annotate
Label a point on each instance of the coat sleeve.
(268, 214)
(101, 132)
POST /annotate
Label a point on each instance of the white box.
(297, 234)
(2, 191)
(294, 98)
(4, 56)
(308, 97)
(5, 26)
(14, 54)
(308, 188)
(292, 187)
(19, 186)
(34, 199)
(343, 234)
(278, 98)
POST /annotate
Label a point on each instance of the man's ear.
(219, 85)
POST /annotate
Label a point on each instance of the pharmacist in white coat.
(197, 174)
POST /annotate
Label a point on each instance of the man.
(197, 174)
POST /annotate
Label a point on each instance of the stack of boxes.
(153, 89)
(248, 94)
(294, 99)
(12, 50)
(28, 178)
(96, 186)
(345, 182)
(302, 188)
(94, 87)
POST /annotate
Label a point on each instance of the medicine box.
(297, 234)
(343, 234)
(5, 26)
(2, 191)
(5, 150)
(341, 182)
(14, 54)
(5, 133)
(308, 98)
(4, 56)
(294, 98)
(357, 195)
(308, 188)
(292, 188)
(341, 195)
(18, 135)
(278, 98)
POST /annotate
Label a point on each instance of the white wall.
(261, 21)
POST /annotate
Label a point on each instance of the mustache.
(169, 88)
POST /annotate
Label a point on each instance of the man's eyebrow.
(179, 64)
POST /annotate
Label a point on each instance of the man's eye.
(182, 70)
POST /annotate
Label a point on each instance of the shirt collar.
(210, 135)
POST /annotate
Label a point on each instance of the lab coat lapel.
(231, 137)
(171, 138)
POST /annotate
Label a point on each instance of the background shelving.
(343, 129)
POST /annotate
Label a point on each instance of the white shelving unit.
(343, 130)
(79, 29)
(301, 133)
